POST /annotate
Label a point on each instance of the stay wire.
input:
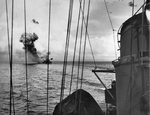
(83, 61)
(9, 53)
(26, 60)
(112, 27)
(91, 50)
(89, 40)
(109, 16)
(78, 101)
(7, 28)
(81, 33)
(88, 36)
(66, 50)
(48, 54)
(11, 62)
(75, 46)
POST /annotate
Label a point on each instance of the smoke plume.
(28, 40)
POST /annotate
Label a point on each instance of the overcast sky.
(99, 26)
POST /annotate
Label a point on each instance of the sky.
(99, 29)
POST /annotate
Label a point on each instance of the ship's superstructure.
(132, 68)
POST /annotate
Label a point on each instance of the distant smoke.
(28, 40)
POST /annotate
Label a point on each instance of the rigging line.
(89, 40)
(88, 13)
(25, 25)
(140, 8)
(77, 31)
(91, 50)
(79, 57)
(112, 27)
(66, 50)
(11, 62)
(48, 52)
(79, 15)
(8, 48)
(7, 28)
(109, 16)
(65, 56)
(86, 28)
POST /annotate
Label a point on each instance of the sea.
(37, 86)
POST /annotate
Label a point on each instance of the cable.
(91, 50)
(26, 60)
(111, 28)
(66, 53)
(83, 61)
(89, 40)
(11, 62)
(140, 8)
(74, 54)
(48, 52)
(79, 57)
(7, 28)
(109, 16)
(66, 50)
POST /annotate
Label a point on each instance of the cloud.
(99, 26)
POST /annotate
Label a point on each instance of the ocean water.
(37, 80)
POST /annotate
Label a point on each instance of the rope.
(66, 50)
(89, 40)
(7, 28)
(85, 43)
(11, 62)
(75, 45)
(109, 15)
(112, 27)
(79, 57)
(140, 8)
(66, 53)
(91, 50)
(26, 60)
(48, 52)
(86, 28)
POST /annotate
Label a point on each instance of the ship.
(133, 67)
(130, 92)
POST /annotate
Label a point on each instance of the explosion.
(28, 40)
